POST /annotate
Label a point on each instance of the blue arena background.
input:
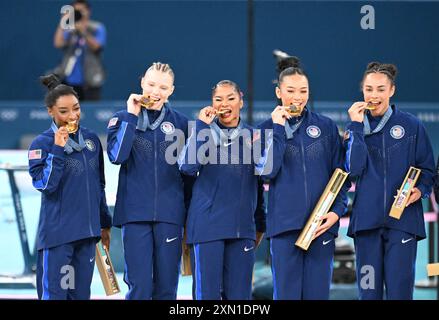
(206, 41)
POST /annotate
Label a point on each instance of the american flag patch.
(112, 122)
(34, 154)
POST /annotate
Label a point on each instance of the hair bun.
(373, 65)
(391, 68)
(51, 81)
(388, 68)
(290, 62)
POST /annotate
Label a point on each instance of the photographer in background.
(81, 66)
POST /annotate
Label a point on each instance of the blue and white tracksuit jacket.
(225, 212)
(152, 198)
(379, 161)
(304, 154)
(73, 211)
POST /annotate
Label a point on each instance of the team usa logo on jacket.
(397, 132)
(90, 145)
(313, 131)
(167, 127)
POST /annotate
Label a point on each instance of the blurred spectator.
(81, 66)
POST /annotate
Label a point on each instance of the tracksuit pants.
(65, 272)
(385, 257)
(299, 274)
(223, 269)
(152, 260)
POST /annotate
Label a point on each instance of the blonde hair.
(163, 67)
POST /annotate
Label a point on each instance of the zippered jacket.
(380, 162)
(72, 186)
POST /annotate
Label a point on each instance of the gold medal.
(370, 106)
(147, 102)
(72, 126)
(294, 110)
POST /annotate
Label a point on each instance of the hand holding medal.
(207, 114)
